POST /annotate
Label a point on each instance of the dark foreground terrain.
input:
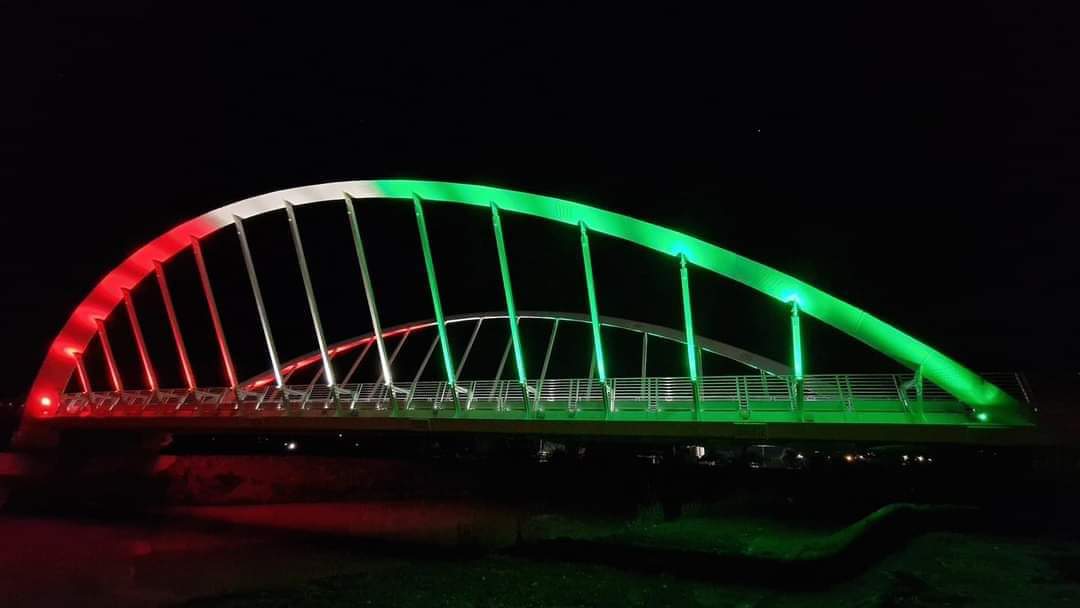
(192, 559)
(314, 525)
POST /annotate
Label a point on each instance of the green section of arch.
(951, 376)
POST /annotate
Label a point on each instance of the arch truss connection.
(938, 391)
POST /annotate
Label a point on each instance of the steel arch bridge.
(938, 398)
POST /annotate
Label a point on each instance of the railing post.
(692, 352)
(436, 301)
(594, 317)
(797, 358)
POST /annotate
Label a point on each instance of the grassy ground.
(941, 569)
(426, 555)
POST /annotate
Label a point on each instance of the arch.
(675, 335)
(950, 375)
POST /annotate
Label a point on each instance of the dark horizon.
(923, 176)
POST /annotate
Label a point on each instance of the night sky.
(924, 166)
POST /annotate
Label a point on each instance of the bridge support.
(140, 343)
(436, 302)
(369, 294)
(110, 360)
(796, 360)
(594, 317)
(215, 318)
(511, 309)
(84, 378)
(543, 370)
(692, 352)
(264, 321)
(174, 325)
(916, 410)
(294, 228)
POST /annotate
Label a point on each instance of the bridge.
(937, 399)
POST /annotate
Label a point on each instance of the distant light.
(799, 456)
(291, 445)
(849, 458)
(919, 458)
(982, 416)
(904, 457)
(45, 401)
(339, 435)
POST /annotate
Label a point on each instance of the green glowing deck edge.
(436, 302)
(951, 376)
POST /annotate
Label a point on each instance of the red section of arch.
(80, 328)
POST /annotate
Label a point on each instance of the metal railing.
(745, 394)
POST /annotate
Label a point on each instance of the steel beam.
(178, 338)
(294, 228)
(644, 361)
(544, 368)
(84, 378)
(215, 318)
(110, 360)
(356, 364)
(381, 379)
(594, 314)
(511, 309)
(797, 355)
(468, 347)
(369, 293)
(264, 320)
(420, 372)
(436, 302)
(692, 352)
(644, 354)
(140, 343)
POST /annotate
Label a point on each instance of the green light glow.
(594, 313)
(691, 342)
(796, 341)
(951, 376)
(511, 310)
(982, 416)
(436, 303)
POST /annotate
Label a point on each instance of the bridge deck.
(871, 407)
